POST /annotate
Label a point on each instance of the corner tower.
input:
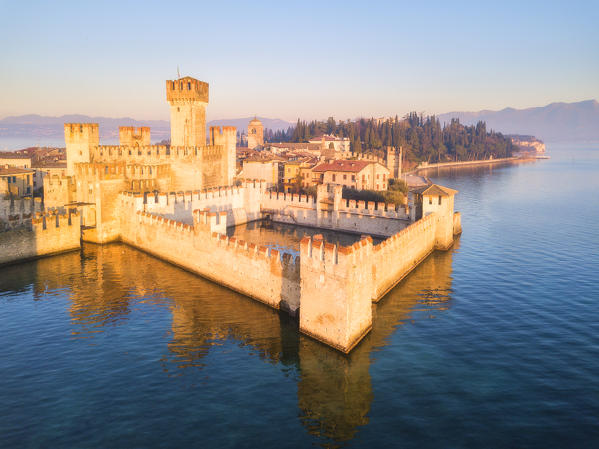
(80, 139)
(188, 98)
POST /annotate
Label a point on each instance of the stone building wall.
(15, 212)
(334, 286)
(132, 136)
(379, 219)
(48, 234)
(255, 271)
(58, 191)
(190, 167)
(242, 204)
(336, 290)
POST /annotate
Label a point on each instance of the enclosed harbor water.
(494, 343)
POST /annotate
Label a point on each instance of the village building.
(270, 170)
(16, 182)
(293, 180)
(328, 141)
(15, 160)
(355, 174)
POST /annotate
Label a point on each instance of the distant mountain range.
(556, 122)
(37, 130)
(566, 122)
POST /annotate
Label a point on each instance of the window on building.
(334, 178)
(344, 177)
(353, 178)
(430, 200)
(377, 176)
(188, 86)
(384, 177)
(14, 179)
(439, 200)
(377, 186)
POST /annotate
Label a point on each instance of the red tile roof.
(4, 171)
(342, 165)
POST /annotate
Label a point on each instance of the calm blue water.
(492, 344)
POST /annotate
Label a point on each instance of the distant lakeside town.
(299, 158)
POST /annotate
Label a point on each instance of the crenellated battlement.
(210, 222)
(154, 153)
(187, 89)
(132, 136)
(326, 255)
(82, 132)
(285, 261)
(121, 170)
(203, 221)
(16, 212)
(50, 220)
(58, 180)
(46, 233)
(273, 199)
(165, 223)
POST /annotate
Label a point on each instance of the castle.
(176, 201)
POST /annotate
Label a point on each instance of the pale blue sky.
(296, 59)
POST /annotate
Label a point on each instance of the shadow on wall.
(334, 390)
(40, 235)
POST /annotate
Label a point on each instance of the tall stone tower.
(188, 98)
(226, 137)
(80, 139)
(394, 157)
(255, 134)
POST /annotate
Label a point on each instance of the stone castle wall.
(242, 204)
(47, 234)
(59, 190)
(360, 217)
(15, 212)
(334, 286)
(411, 244)
(255, 271)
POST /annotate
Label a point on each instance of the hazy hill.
(572, 122)
(30, 130)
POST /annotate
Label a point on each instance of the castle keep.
(176, 201)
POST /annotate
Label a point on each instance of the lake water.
(494, 343)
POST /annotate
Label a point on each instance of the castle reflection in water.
(334, 390)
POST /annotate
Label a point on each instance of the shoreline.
(466, 163)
